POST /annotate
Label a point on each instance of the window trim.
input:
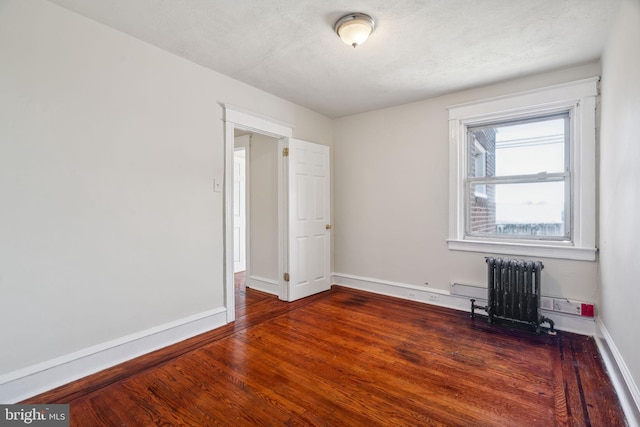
(578, 97)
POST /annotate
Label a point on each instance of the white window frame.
(579, 98)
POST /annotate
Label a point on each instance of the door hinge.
(285, 152)
(286, 277)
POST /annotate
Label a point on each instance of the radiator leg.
(474, 306)
(552, 331)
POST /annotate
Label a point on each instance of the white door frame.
(237, 118)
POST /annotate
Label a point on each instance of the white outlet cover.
(565, 306)
(546, 303)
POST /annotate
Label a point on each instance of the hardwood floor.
(349, 358)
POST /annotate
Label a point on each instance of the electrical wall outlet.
(566, 306)
(433, 297)
(411, 294)
(546, 303)
(578, 308)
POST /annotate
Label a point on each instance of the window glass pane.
(522, 210)
(518, 148)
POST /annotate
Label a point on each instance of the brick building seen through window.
(518, 179)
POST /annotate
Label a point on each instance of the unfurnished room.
(322, 213)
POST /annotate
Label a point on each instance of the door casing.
(236, 118)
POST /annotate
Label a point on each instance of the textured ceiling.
(420, 49)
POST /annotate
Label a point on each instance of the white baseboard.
(442, 298)
(623, 382)
(265, 285)
(33, 380)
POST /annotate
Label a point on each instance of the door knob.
(328, 226)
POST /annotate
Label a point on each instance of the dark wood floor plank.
(596, 384)
(572, 387)
(348, 357)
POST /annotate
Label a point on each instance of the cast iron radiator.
(514, 292)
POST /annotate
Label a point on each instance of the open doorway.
(255, 218)
(255, 211)
(237, 123)
(301, 233)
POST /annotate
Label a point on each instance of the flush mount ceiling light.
(355, 28)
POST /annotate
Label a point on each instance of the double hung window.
(518, 181)
(523, 173)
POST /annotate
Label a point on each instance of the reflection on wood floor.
(351, 358)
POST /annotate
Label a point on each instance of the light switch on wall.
(217, 184)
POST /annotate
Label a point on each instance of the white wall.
(391, 196)
(619, 187)
(264, 207)
(108, 151)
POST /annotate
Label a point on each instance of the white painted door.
(239, 211)
(309, 219)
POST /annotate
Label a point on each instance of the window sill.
(522, 249)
